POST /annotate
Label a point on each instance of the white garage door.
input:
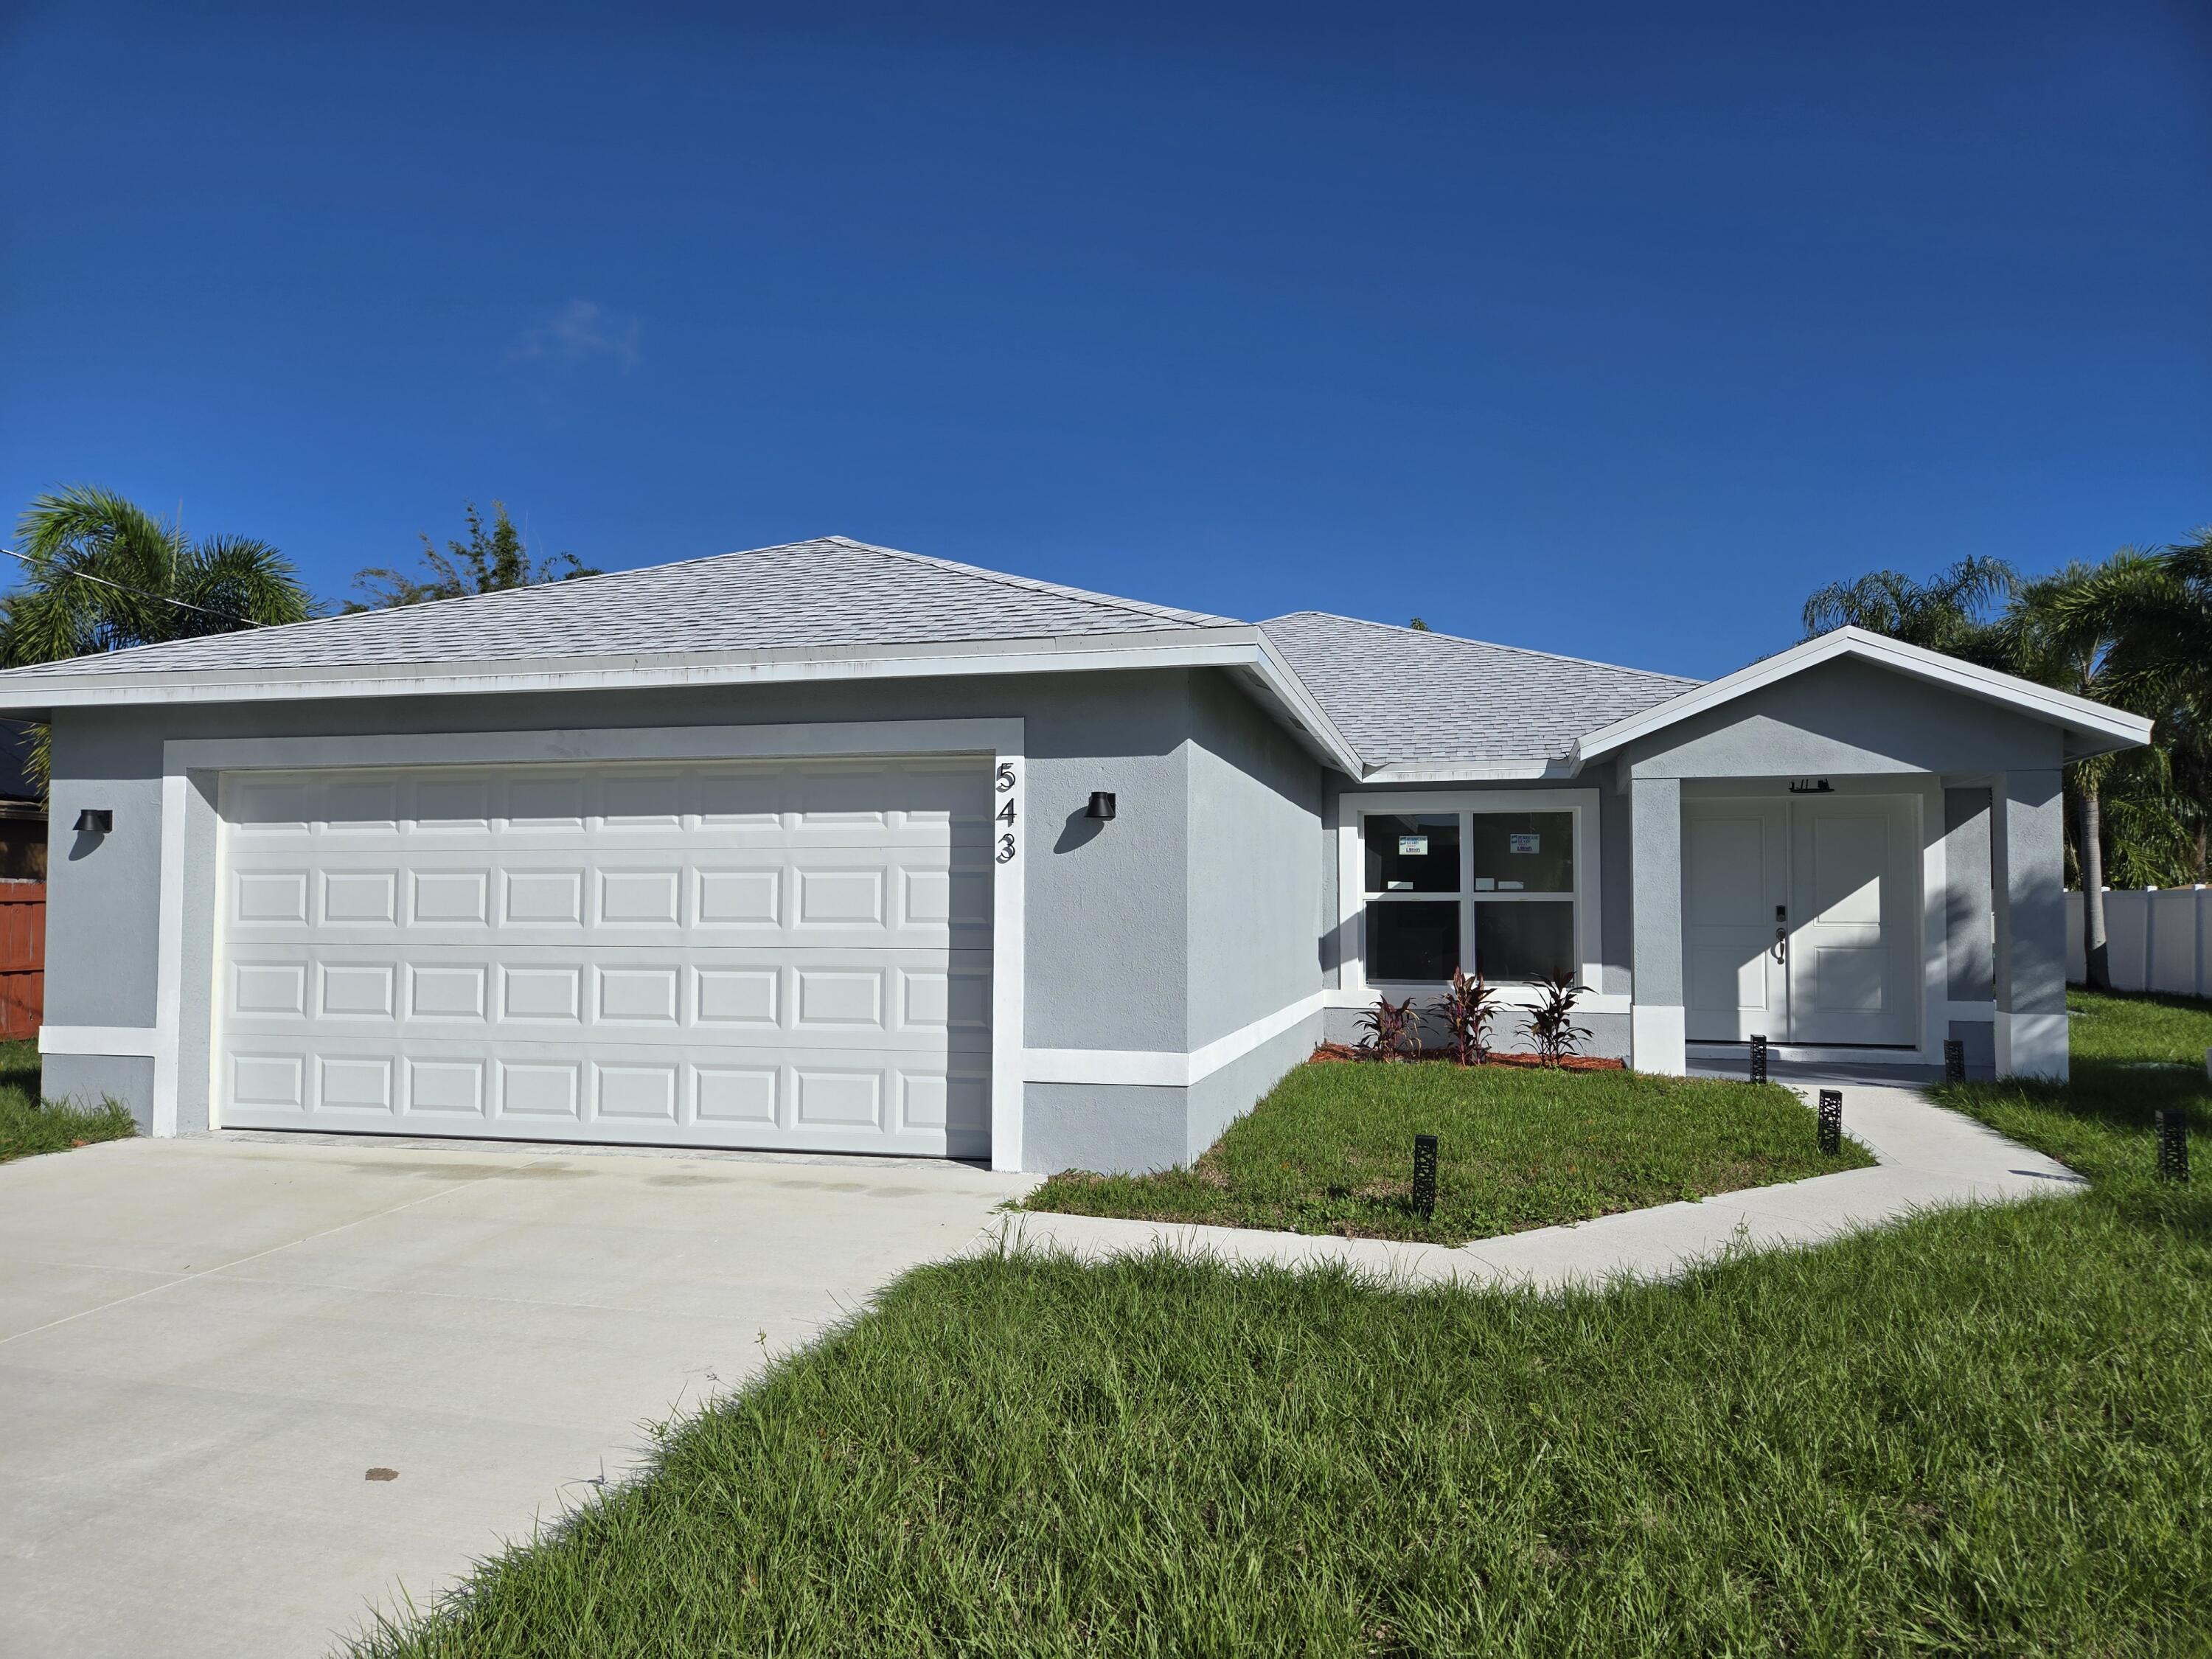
(794, 954)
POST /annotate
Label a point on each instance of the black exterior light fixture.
(1101, 805)
(95, 821)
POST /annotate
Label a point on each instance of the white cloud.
(581, 332)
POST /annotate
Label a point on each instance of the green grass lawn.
(1982, 1432)
(1330, 1150)
(28, 1126)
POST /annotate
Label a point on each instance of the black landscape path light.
(1831, 1121)
(2173, 1145)
(1758, 1059)
(1954, 1060)
(1424, 1176)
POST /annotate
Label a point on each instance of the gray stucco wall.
(1969, 942)
(1608, 1033)
(88, 1080)
(1846, 717)
(1216, 1102)
(1122, 731)
(1113, 932)
(1254, 856)
(1112, 1129)
(2027, 862)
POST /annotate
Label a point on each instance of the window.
(1491, 889)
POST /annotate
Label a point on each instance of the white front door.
(1852, 904)
(1736, 895)
(1799, 920)
(786, 954)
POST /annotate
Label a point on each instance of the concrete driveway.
(205, 1344)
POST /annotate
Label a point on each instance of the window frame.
(1355, 807)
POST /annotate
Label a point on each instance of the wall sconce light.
(1102, 805)
(94, 821)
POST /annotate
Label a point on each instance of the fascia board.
(35, 694)
(1305, 712)
(1486, 771)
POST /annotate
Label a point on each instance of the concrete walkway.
(1929, 1157)
(205, 1344)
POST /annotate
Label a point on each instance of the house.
(830, 846)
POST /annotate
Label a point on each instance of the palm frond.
(235, 580)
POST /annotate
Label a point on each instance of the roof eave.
(1470, 771)
(31, 694)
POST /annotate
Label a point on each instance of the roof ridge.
(1035, 585)
(1490, 645)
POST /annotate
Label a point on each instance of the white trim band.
(1156, 1069)
(1655, 1039)
(118, 1042)
(2032, 1045)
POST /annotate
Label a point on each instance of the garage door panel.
(742, 954)
(808, 797)
(922, 995)
(894, 897)
(807, 1098)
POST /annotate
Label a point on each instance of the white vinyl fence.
(2157, 939)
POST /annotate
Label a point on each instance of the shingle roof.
(1395, 693)
(1403, 695)
(826, 591)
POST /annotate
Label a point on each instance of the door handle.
(1782, 945)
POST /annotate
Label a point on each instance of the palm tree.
(104, 575)
(1949, 612)
(2156, 608)
(2070, 630)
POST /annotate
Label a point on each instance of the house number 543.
(1005, 815)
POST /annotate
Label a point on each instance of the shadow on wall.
(1079, 829)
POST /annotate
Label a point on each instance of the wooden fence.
(2155, 940)
(22, 958)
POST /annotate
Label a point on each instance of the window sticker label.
(1508, 887)
(1518, 841)
(1417, 847)
(1485, 885)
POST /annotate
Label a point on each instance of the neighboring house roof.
(1404, 695)
(827, 591)
(2090, 728)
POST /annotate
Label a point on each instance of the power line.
(49, 568)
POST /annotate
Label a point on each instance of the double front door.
(1799, 919)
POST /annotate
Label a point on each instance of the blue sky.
(1606, 330)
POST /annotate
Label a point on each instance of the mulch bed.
(1336, 1051)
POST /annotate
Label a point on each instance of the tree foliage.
(492, 558)
(1953, 611)
(101, 573)
(2134, 629)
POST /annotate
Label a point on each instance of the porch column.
(1654, 1021)
(2027, 883)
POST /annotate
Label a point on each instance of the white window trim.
(998, 743)
(1353, 988)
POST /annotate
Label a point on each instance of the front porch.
(1858, 920)
(1858, 859)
